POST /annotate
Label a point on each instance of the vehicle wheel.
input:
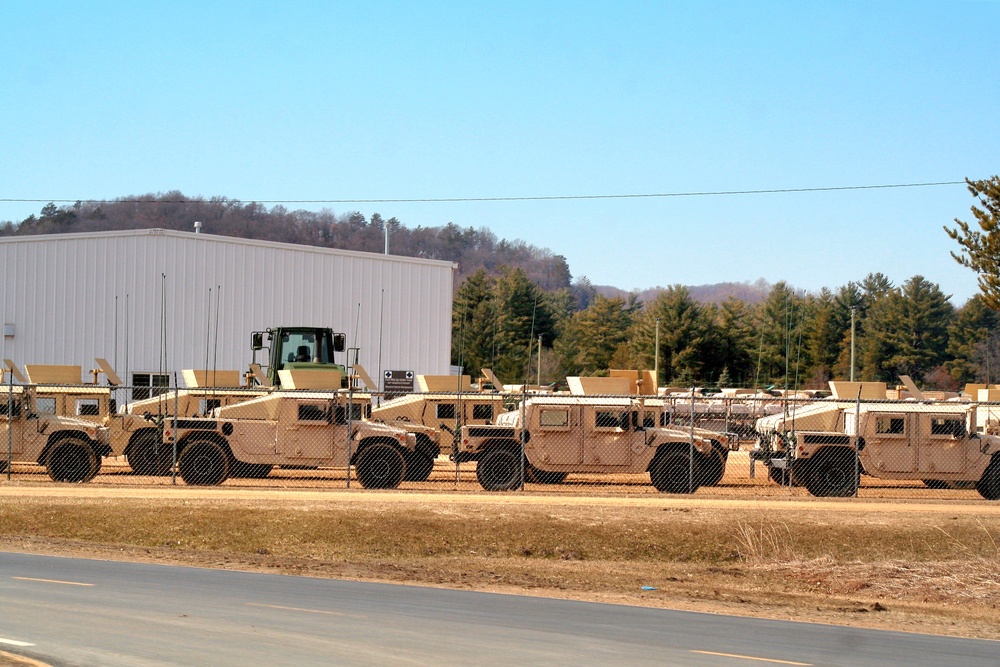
(149, 457)
(499, 470)
(671, 473)
(713, 467)
(380, 466)
(832, 476)
(72, 460)
(989, 486)
(250, 470)
(533, 474)
(418, 467)
(203, 463)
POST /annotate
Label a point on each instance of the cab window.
(890, 425)
(947, 426)
(45, 406)
(311, 413)
(553, 418)
(482, 411)
(444, 410)
(88, 407)
(609, 419)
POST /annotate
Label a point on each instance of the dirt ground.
(921, 565)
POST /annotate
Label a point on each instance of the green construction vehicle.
(292, 348)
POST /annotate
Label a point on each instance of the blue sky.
(335, 101)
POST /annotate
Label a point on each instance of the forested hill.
(470, 248)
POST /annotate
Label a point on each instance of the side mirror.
(257, 340)
(339, 342)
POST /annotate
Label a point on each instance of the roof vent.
(197, 227)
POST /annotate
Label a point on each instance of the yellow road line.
(308, 611)
(53, 581)
(750, 657)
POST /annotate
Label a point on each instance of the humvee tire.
(499, 470)
(148, 457)
(831, 474)
(671, 473)
(418, 467)
(72, 460)
(989, 484)
(249, 470)
(713, 467)
(203, 463)
(380, 466)
(533, 474)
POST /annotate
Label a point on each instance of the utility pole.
(853, 310)
(539, 380)
(656, 357)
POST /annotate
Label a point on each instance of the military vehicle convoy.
(69, 448)
(826, 447)
(321, 429)
(581, 434)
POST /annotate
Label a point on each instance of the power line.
(450, 200)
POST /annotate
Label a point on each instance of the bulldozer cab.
(291, 348)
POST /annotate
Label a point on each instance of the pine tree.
(981, 249)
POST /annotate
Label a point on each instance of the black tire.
(149, 457)
(72, 460)
(712, 467)
(671, 473)
(832, 475)
(499, 470)
(418, 467)
(533, 474)
(203, 463)
(249, 470)
(989, 485)
(380, 466)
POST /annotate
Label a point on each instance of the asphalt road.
(79, 612)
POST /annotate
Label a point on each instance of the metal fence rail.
(488, 442)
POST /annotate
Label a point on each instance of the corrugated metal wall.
(73, 297)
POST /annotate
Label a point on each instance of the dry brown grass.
(912, 567)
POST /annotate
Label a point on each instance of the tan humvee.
(322, 429)
(134, 432)
(60, 391)
(582, 434)
(69, 448)
(665, 414)
(660, 412)
(935, 442)
(433, 411)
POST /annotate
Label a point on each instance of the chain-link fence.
(744, 446)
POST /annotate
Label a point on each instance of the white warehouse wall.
(72, 297)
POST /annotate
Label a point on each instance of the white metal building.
(152, 300)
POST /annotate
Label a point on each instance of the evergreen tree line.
(790, 339)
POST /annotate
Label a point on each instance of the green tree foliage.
(972, 334)
(907, 332)
(591, 337)
(780, 319)
(980, 249)
(688, 347)
(474, 323)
